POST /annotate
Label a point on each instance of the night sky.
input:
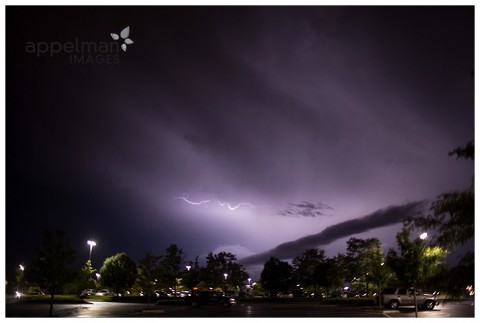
(255, 130)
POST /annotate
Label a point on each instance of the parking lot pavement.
(260, 310)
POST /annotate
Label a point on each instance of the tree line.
(364, 267)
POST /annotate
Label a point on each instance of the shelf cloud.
(377, 219)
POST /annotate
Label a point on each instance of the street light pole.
(188, 276)
(366, 283)
(91, 244)
(422, 237)
(379, 287)
(226, 276)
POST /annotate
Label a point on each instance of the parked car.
(396, 297)
(104, 292)
(208, 297)
(87, 292)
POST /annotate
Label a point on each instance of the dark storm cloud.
(195, 141)
(351, 106)
(378, 219)
(307, 209)
(292, 97)
(247, 128)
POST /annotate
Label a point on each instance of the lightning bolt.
(231, 207)
(185, 198)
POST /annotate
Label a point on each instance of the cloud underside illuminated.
(377, 219)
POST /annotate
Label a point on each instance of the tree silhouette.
(171, 265)
(416, 262)
(452, 215)
(276, 276)
(148, 270)
(85, 276)
(224, 263)
(364, 258)
(118, 272)
(328, 273)
(50, 270)
(305, 267)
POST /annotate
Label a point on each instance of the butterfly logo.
(124, 35)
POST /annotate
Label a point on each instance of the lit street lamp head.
(91, 244)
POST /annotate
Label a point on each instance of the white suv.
(396, 297)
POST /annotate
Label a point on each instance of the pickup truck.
(396, 297)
